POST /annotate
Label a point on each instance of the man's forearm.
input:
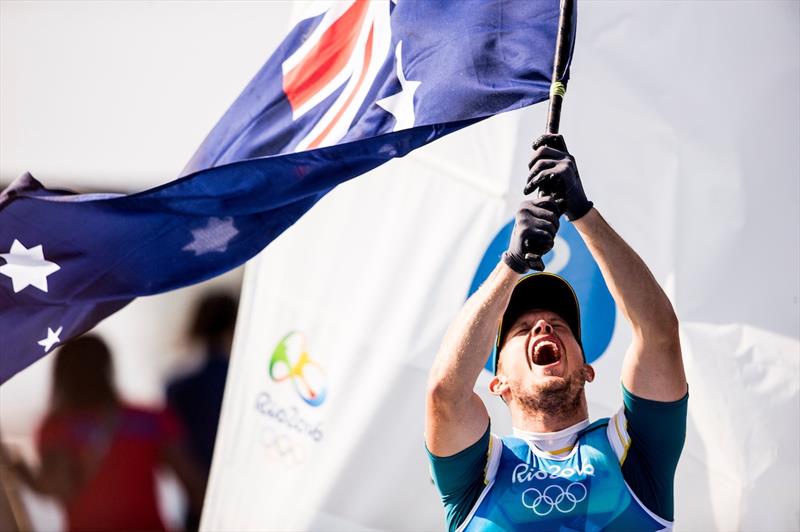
(635, 290)
(470, 337)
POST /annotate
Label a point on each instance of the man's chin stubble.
(555, 398)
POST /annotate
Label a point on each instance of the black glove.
(535, 229)
(554, 173)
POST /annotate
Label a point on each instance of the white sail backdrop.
(684, 119)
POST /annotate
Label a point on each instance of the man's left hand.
(554, 172)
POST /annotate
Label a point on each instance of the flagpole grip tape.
(557, 88)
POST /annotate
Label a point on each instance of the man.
(558, 471)
(196, 398)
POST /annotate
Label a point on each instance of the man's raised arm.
(455, 416)
(653, 368)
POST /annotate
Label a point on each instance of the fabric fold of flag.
(346, 91)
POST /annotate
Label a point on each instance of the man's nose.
(542, 327)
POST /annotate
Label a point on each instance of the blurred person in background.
(98, 455)
(197, 397)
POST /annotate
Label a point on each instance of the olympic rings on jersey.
(554, 497)
(283, 446)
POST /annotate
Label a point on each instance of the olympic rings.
(554, 497)
(283, 446)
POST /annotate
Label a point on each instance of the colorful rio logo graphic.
(290, 361)
(571, 259)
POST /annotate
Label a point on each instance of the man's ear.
(498, 385)
(588, 372)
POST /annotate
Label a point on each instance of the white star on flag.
(51, 340)
(401, 105)
(214, 237)
(27, 266)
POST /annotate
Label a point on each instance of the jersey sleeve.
(460, 478)
(647, 437)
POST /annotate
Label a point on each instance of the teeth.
(546, 343)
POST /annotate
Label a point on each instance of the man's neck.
(538, 421)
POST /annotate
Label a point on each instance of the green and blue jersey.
(617, 475)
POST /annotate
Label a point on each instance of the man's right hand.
(534, 233)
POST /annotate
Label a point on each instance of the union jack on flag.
(354, 84)
(343, 55)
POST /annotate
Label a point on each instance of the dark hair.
(214, 318)
(83, 375)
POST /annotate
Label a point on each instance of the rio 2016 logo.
(571, 259)
(290, 361)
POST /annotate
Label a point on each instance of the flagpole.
(558, 86)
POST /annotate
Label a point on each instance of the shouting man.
(557, 471)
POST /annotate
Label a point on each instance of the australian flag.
(354, 84)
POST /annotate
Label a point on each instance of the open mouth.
(545, 352)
